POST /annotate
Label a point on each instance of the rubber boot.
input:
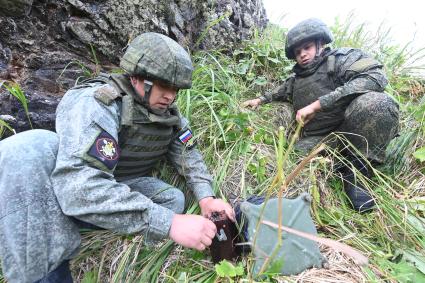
(360, 198)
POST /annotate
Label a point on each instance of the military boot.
(360, 198)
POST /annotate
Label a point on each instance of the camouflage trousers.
(35, 235)
(370, 122)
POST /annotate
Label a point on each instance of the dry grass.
(340, 269)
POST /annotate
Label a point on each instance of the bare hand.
(192, 231)
(304, 115)
(209, 205)
(253, 103)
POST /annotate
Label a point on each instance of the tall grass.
(399, 60)
(242, 149)
(88, 71)
(4, 126)
(222, 82)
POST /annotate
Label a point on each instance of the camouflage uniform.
(102, 200)
(35, 235)
(349, 85)
(96, 169)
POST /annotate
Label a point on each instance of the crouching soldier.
(337, 90)
(96, 171)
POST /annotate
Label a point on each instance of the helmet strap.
(144, 100)
(147, 87)
(317, 42)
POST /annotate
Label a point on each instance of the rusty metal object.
(223, 244)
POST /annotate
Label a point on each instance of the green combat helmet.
(154, 56)
(296, 253)
(310, 29)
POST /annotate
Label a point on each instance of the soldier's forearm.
(352, 89)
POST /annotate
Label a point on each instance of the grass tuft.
(16, 91)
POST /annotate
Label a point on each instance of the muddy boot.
(360, 198)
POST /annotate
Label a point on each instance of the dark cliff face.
(46, 45)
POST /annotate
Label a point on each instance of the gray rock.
(15, 7)
(47, 45)
(247, 20)
(8, 118)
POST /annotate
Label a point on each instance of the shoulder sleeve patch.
(186, 137)
(105, 149)
(106, 94)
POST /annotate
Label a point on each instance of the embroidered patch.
(105, 149)
(106, 94)
(186, 138)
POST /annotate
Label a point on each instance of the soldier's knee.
(178, 201)
(372, 103)
(30, 147)
(36, 142)
(373, 106)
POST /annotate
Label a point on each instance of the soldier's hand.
(192, 231)
(209, 205)
(253, 103)
(304, 115)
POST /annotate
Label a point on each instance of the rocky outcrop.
(47, 45)
(15, 7)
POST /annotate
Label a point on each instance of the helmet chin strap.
(318, 46)
(317, 42)
(147, 87)
(144, 100)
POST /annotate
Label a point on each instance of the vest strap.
(331, 65)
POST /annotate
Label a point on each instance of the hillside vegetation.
(241, 148)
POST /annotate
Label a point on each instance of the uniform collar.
(135, 113)
(304, 71)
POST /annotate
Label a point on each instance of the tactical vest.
(307, 89)
(144, 137)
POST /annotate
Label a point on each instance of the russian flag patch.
(186, 138)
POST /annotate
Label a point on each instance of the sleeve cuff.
(326, 101)
(202, 190)
(160, 219)
(264, 99)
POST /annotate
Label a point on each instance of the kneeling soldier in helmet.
(96, 171)
(337, 90)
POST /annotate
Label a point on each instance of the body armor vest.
(144, 137)
(307, 89)
(145, 142)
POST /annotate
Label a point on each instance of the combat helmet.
(154, 56)
(310, 29)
